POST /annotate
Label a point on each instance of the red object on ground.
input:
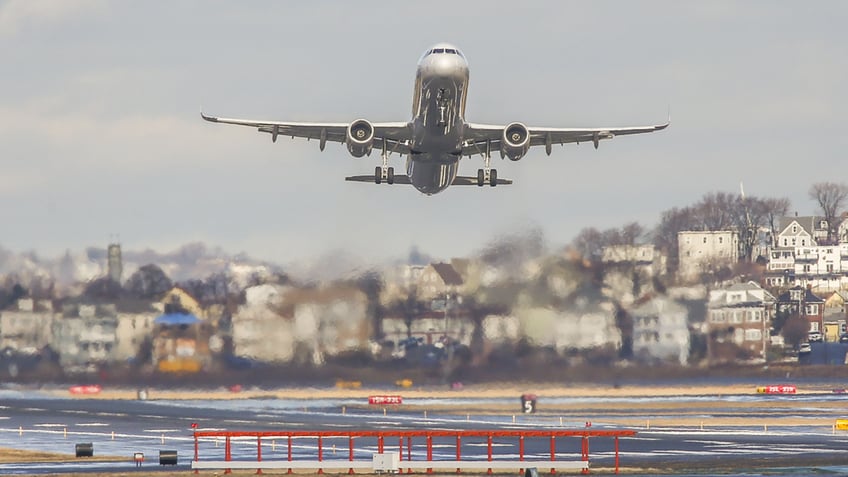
(235, 388)
(89, 389)
(380, 400)
(780, 389)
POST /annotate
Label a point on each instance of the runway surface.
(35, 421)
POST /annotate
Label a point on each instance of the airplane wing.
(395, 135)
(478, 135)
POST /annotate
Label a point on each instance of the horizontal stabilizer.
(460, 180)
(398, 179)
(466, 180)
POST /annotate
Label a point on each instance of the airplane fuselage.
(438, 119)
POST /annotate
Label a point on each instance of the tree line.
(747, 215)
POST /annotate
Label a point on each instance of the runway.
(799, 433)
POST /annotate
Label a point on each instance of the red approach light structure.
(399, 436)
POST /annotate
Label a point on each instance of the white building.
(661, 331)
(705, 252)
(26, 329)
(260, 331)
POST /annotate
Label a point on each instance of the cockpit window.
(450, 51)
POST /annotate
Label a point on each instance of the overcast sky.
(100, 132)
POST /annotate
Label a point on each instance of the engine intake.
(360, 138)
(515, 141)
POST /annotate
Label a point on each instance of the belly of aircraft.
(432, 173)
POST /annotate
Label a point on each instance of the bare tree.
(774, 210)
(673, 221)
(589, 243)
(148, 282)
(795, 330)
(831, 198)
(715, 211)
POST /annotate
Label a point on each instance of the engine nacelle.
(360, 138)
(515, 141)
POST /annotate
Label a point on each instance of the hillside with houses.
(728, 280)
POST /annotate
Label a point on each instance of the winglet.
(208, 118)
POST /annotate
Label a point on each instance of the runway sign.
(91, 389)
(842, 424)
(381, 400)
(781, 389)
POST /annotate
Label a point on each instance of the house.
(180, 343)
(134, 326)
(27, 328)
(281, 324)
(801, 232)
(835, 315)
(584, 324)
(329, 321)
(177, 300)
(645, 259)
(85, 335)
(437, 280)
(739, 315)
(262, 329)
(802, 302)
(705, 252)
(430, 326)
(661, 331)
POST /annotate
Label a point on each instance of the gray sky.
(100, 132)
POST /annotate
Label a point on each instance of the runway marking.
(338, 425)
(33, 409)
(49, 425)
(152, 416)
(160, 431)
(115, 414)
(91, 424)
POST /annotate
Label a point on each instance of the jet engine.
(360, 138)
(515, 141)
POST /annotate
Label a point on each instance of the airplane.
(437, 136)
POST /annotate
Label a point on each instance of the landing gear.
(487, 176)
(382, 173)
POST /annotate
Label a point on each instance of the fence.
(404, 440)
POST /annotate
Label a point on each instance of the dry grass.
(12, 456)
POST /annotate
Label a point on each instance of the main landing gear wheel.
(390, 175)
(481, 177)
(493, 177)
(378, 175)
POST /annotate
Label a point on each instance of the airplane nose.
(447, 66)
